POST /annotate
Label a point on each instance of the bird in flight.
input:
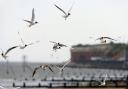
(66, 15)
(23, 44)
(103, 39)
(43, 67)
(57, 45)
(62, 68)
(32, 22)
(4, 54)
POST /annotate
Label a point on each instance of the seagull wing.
(61, 10)
(28, 21)
(70, 8)
(105, 77)
(50, 68)
(98, 38)
(33, 43)
(56, 67)
(53, 42)
(63, 45)
(109, 38)
(30, 44)
(11, 49)
(35, 71)
(65, 65)
(21, 38)
(33, 15)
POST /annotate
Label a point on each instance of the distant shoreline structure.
(111, 56)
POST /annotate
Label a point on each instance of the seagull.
(57, 45)
(43, 67)
(66, 15)
(102, 38)
(62, 68)
(32, 22)
(103, 83)
(23, 44)
(4, 55)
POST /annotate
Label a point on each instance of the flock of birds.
(23, 45)
(55, 47)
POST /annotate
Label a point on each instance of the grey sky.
(89, 18)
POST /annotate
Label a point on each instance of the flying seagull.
(4, 55)
(57, 45)
(23, 44)
(66, 63)
(32, 22)
(43, 67)
(102, 38)
(62, 68)
(66, 15)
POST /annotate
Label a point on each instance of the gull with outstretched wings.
(102, 38)
(57, 45)
(4, 54)
(43, 67)
(66, 15)
(21, 39)
(32, 22)
(63, 66)
(23, 44)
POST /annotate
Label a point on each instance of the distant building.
(103, 52)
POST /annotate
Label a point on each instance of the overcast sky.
(89, 18)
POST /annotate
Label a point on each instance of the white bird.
(4, 54)
(57, 45)
(103, 83)
(32, 22)
(66, 15)
(43, 67)
(103, 39)
(62, 68)
(23, 44)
